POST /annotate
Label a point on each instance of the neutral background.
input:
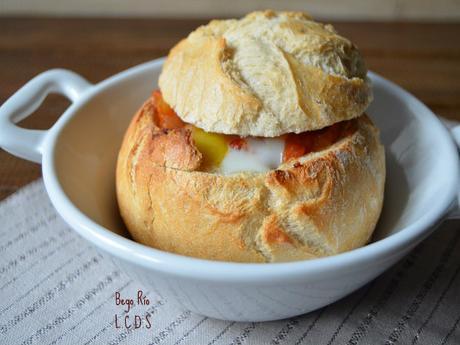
(439, 10)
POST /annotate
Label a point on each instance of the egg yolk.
(214, 147)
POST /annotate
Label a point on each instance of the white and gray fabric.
(56, 288)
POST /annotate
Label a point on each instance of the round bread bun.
(267, 74)
(321, 204)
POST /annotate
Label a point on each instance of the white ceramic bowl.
(78, 159)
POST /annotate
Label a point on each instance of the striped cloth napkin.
(56, 288)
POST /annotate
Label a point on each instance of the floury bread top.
(267, 74)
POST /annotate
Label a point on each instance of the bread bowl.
(266, 79)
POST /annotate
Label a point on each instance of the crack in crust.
(243, 76)
(320, 204)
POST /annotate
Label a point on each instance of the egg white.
(259, 155)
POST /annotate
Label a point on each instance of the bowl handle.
(27, 143)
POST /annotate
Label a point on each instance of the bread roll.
(265, 75)
(321, 204)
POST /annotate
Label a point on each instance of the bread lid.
(267, 74)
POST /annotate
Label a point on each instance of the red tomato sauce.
(296, 145)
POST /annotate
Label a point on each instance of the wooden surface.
(439, 10)
(423, 58)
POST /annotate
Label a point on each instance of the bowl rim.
(202, 269)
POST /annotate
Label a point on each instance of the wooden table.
(423, 58)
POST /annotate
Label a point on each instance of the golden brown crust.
(324, 203)
(265, 75)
